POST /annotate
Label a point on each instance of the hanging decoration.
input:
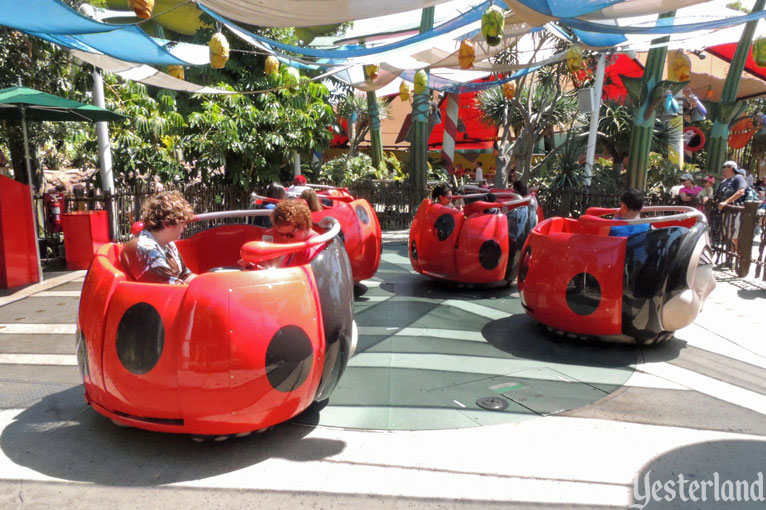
(421, 82)
(142, 8)
(219, 51)
(509, 89)
(693, 107)
(759, 51)
(741, 132)
(679, 66)
(176, 72)
(492, 25)
(272, 65)
(404, 91)
(694, 139)
(671, 105)
(466, 55)
(371, 72)
(574, 59)
(292, 78)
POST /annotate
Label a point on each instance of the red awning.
(472, 133)
(619, 65)
(726, 52)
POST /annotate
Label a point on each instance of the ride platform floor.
(693, 406)
(434, 355)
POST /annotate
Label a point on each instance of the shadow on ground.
(420, 286)
(521, 337)
(721, 466)
(62, 437)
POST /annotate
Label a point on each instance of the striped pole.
(450, 132)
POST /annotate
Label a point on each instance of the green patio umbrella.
(25, 104)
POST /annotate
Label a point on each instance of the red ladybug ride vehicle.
(578, 280)
(233, 351)
(479, 245)
(359, 227)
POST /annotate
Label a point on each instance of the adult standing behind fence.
(732, 192)
(688, 194)
(733, 187)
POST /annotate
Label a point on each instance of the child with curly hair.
(152, 256)
(292, 224)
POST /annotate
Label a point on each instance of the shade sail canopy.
(42, 106)
(708, 75)
(60, 24)
(307, 13)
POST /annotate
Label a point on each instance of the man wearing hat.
(733, 187)
(732, 192)
(298, 187)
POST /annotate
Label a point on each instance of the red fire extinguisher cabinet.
(84, 233)
(18, 254)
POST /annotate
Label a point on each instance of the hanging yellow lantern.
(219, 51)
(371, 72)
(509, 89)
(492, 24)
(759, 51)
(679, 66)
(421, 82)
(574, 59)
(292, 77)
(176, 72)
(466, 54)
(404, 91)
(272, 65)
(142, 8)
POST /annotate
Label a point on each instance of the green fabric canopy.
(41, 106)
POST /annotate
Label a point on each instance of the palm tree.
(614, 130)
(357, 112)
(533, 114)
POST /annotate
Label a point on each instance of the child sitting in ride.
(312, 200)
(152, 256)
(631, 203)
(275, 191)
(442, 195)
(292, 224)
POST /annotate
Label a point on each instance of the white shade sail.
(306, 13)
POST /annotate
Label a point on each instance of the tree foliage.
(541, 102)
(233, 138)
(36, 64)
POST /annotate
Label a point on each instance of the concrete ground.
(401, 430)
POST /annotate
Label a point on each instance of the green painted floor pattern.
(428, 351)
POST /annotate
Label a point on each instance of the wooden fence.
(395, 204)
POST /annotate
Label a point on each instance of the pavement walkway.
(393, 436)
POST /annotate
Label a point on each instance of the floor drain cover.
(492, 403)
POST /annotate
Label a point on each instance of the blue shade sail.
(57, 23)
(567, 8)
(48, 16)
